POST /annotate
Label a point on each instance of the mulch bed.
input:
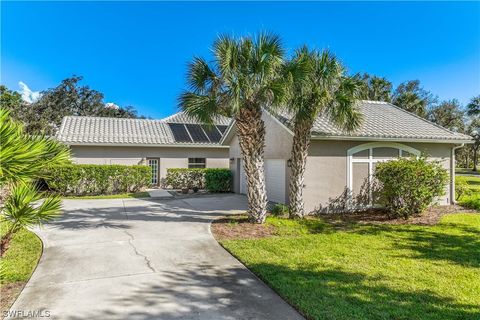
(430, 217)
(239, 227)
(8, 294)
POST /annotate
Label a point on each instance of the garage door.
(274, 178)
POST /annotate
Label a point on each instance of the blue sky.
(136, 53)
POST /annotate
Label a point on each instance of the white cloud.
(27, 94)
(111, 105)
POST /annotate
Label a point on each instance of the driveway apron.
(144, 259)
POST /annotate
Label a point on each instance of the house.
(339, 161)
(174, 142)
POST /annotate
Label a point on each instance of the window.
(363, 158)
(196, 163)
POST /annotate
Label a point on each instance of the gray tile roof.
(103, 130)
(382, 120)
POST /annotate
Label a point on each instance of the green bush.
(280, 210)
(218, 180)
(461, 189)
(408, 185)
(92, 179)
(213, 180)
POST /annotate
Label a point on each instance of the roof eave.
(167, 145)
(393, 139)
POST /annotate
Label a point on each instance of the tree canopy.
(69, 98)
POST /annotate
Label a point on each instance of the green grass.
(371, 271)
(21, 257)
(113, 196)
(471, 200)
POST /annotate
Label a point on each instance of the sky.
(137, 53)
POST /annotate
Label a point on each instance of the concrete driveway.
(144, 259)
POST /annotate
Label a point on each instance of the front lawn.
(471, 200)
(369, 271)
(17, 265)
(113, 196)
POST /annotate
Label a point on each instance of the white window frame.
(370, 160)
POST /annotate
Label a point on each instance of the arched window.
(361, 160)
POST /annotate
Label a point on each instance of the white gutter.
(452, 173)
(350, 138)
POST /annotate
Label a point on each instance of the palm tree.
(23, 159)
(322, 88)
(242, 79)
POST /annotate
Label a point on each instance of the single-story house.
(177, 141)
(338, 160)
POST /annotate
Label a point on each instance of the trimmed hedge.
(211, 179)
(409, 185)
(92, 179)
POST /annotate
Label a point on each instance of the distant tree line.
(45, 115)
(450, 114)
(69, 98)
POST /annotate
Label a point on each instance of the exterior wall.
(326, 171)
(170, 157)
(278, 144)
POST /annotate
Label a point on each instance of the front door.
(153, 163)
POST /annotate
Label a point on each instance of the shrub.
(280, 210)
(461, 189)
(181, 178)
(218, 180)
(214, 180)
(91, 179)
(408, 185)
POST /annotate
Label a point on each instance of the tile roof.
(382, 120)
(103, 130)
(181, 117)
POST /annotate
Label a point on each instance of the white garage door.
(274, 178)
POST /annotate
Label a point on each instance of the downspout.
(452, 173)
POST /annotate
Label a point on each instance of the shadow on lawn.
(209, 292)
(335, 294)
(453, 242)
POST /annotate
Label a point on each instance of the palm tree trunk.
(251, 135)
(300, 145)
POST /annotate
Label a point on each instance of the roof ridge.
(110, 118)
(374, 101)
(172, 116)
(425, 120)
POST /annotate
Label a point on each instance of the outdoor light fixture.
(289, 163)
(231, 160)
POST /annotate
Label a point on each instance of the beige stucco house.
(174, 142)
(340, 161)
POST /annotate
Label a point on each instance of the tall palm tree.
(321, 89)
(242, 79)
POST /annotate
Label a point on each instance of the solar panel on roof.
(197, 133)
(212, 133)
(179, 132)
(222, 129)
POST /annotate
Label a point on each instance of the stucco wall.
(326, 171)
(170, 157)
(278, 144)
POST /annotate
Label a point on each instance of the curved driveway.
(145, 259)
